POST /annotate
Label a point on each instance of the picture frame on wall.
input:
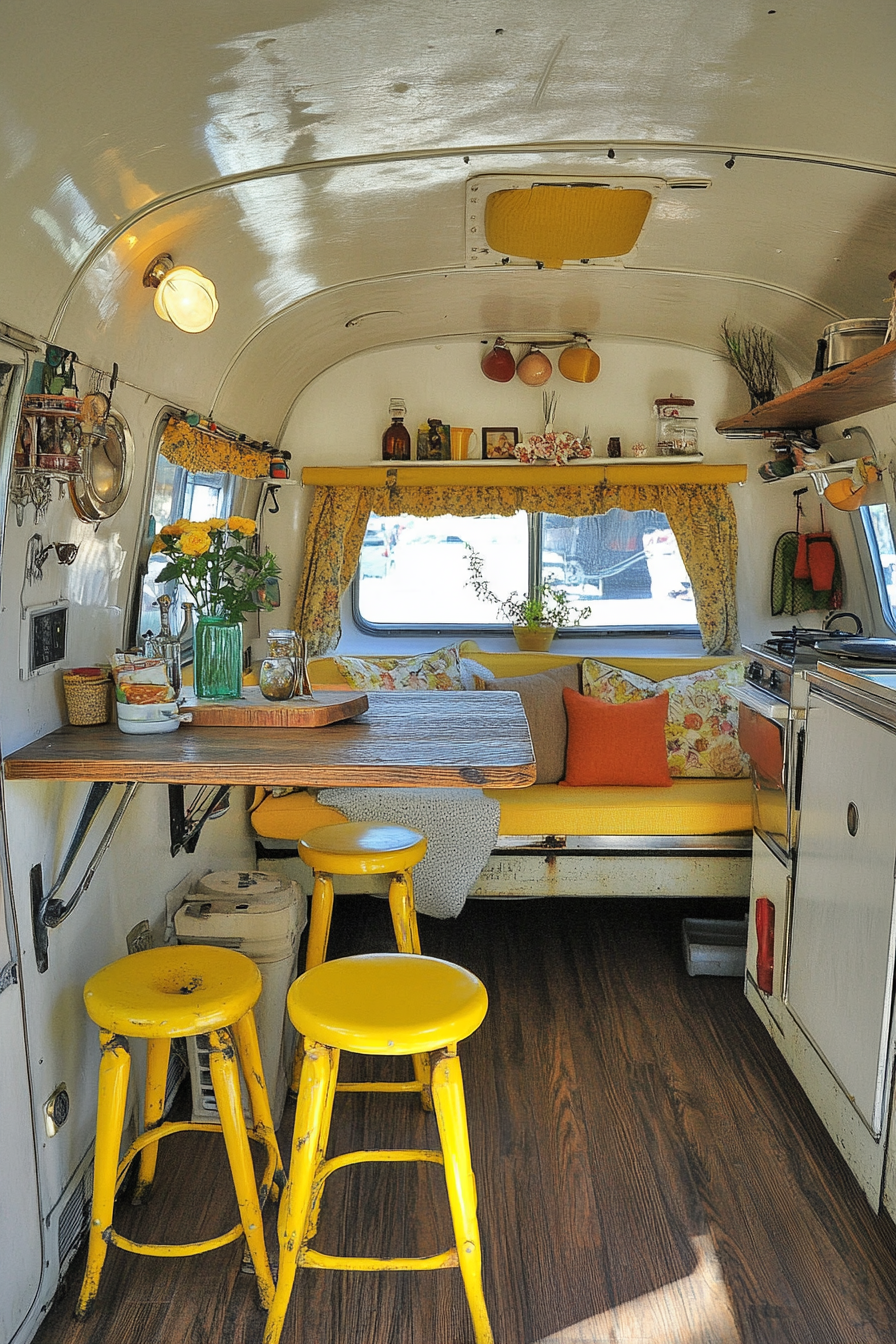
(498, 442)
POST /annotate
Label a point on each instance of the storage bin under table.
(262, 916)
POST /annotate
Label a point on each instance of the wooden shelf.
(864, 385)
(633, 471)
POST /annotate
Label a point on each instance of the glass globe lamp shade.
(187, 298)
(534, 369)
(579, 363)
(499, 364)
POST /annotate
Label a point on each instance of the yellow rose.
(195, 541)
(174, 529)
(157, 545)
(215, 524)
(244, 525)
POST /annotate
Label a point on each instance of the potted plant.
(535, 617)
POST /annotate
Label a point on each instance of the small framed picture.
(499, 442)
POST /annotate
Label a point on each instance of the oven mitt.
(821, 561)
(801, 568)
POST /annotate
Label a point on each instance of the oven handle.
(762, 703)
(798, 769)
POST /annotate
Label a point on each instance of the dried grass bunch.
(751, 353)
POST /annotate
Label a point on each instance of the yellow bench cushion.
(689, 807)
(289, 817)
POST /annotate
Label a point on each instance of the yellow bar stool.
(380, 1004)
(160, 995)
(361, 849)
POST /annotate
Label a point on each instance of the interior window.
(414, 572)
(879, 533)
(177, 493)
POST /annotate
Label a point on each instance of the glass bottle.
(167, 645)
(614, 448)
(279, 677)
(397, 439)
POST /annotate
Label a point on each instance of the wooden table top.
(438, 739)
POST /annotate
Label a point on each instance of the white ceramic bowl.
(161, 718)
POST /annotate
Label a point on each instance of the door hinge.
(9, 975)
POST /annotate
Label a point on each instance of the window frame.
(872, 565)
(139, 623)
(535, 529)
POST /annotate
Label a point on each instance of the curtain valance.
(192, 448)
(701, 516)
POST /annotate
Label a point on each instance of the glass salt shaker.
(280, 675)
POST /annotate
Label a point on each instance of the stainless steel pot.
(845, 341)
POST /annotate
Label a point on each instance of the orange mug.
(460, 443)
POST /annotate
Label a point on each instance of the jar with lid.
(676, 426)
(282, 673)
(677, 436)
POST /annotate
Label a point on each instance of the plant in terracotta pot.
(535, 616)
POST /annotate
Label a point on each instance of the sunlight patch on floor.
(694, 1310)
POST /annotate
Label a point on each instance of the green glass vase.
(217, 658)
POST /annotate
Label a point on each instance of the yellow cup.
(460, 443)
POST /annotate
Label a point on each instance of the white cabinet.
(838, 989)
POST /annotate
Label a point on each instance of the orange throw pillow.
(616, 744)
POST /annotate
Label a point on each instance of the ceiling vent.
(524, 220)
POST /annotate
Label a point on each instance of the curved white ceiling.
(313, 159)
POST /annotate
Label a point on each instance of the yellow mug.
(460, 443)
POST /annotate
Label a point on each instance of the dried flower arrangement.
(750, 351)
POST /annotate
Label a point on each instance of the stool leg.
(321, 913)
(226, 1083)
(313, 1105)
(319, 918)
(404, 914)
(451, 1115)
(158, 1053)
(115, 1068)
(246, 1034)
(407, 939)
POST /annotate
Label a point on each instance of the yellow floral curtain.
(701, 516)
(192, 448)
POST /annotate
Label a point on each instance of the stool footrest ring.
(317, 1260)
(379, 1087)
(175, 1249)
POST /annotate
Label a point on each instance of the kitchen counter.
(869, 688)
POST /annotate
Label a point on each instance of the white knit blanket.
(461, 828)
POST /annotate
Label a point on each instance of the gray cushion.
(542, 697)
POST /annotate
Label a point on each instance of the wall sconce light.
(182, 295)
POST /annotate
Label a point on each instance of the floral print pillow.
(438, 671)
(701, 730)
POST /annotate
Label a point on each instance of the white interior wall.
(339, 420)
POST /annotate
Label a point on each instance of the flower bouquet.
(552, 447)
(220, 568)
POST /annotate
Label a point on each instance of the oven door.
(764, 734)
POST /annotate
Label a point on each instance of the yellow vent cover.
(557, 224)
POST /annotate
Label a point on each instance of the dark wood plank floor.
(648, 1171)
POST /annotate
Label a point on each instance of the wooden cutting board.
(253, 711)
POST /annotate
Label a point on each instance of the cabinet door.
(840, 969)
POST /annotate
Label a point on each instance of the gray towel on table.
(461, 828)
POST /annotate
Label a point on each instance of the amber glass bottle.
(397, 440)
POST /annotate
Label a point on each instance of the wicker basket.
(86, 698)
